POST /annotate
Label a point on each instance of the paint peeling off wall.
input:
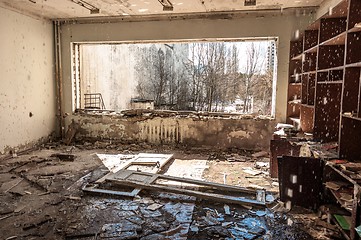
(221, 133)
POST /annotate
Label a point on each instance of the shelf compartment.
(295, 68)
(336, 40)
(350, 138)
(331, 56)
(311, 39)
(296, 47)
(354, 14)
(327, 112)
(294, 92)
(293, 110)
(306, 118)
(342, 203)
(331, 27)
(330, 76)
(304, 88)
(311, 89)
(350, 101)
(353, 48)
(309, 61)
(295, 79)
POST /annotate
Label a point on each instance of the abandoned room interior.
(180, 119)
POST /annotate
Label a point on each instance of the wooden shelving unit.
(325, 78)
(351, 209)
(320, 60)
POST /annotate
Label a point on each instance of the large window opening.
(215, 76)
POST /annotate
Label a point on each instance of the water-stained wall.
(27, 86)
(246, 133)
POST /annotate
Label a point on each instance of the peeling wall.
(253, 134)
(27, 86)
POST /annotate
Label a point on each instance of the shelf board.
(297, 57)
(312, 49)
(296, 101)
(315, 25)
(340, 201)
(330, 69)
(331, 82)
(295, 84)
(297, 74)
(336, 40)
(310, 72)
(307, 105)
(351, 117)
(295, 120)
(358, 64)
(356, 28)
(331, 165)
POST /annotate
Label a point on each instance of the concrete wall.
(253, 134)
(27, 86)
(282, 26)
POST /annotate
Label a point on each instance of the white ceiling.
(66, 9)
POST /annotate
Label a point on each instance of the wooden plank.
(133, 193)
(208, 196)
(218, 186)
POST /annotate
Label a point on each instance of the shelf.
(296, 101)
(310, 72)
(295, 84)
(312, 49)
(331, 82)
(351, 117)
(340, 201)
(358, 64)
(330, 69)
(337, 40)
(307, 105)
(297, 57)
(295, 120)
(342, 174)
(356, 28)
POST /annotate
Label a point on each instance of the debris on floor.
(42, 197)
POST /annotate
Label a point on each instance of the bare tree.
(264, 92)
(252, 68)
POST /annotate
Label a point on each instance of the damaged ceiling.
(73, 9)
